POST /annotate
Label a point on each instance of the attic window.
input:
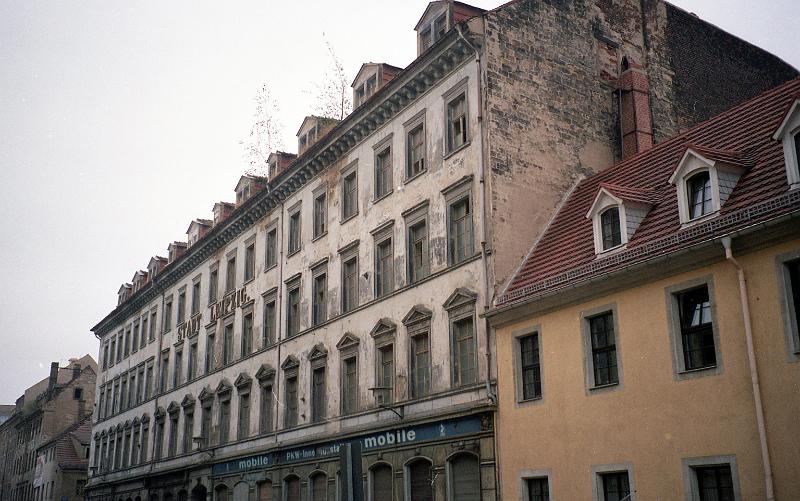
(77, 394)
(243, 194)
(700, 197)
(366, 89)
(789, 134)
(433, 32)
(609, 223)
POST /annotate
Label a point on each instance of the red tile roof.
(741, 136)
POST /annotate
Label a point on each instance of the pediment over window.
(145, 418)
(789, 134)
(243, 380)
(616, 213)
(206, 394)
(704, 179)
(383, 326)
(135, 422)
(127, 424)
(317, 352)
(119, 428)
(265, 372)
(159, 413)
(224, 386)
(460, 297)
(188, 400)
(290, 362)
(417, 314)
(173, 407)
(103, 433)
(347, 341)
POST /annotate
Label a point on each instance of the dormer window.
(243, 194)
(704, 179)
(700, 198)
(366, 89)
(789, 134)
(616, 214)
(609, 224)
(431, 31)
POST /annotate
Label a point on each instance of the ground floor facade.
(450, 458)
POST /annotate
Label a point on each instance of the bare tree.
(265, 133)
(333, 96)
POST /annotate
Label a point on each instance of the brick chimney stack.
(76, 371)
(53, 376)
(634, 108)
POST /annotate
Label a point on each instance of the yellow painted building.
(625, 367)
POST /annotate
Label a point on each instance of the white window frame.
(789, 128)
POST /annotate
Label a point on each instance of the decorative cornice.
(385, 104)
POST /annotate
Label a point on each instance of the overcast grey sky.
(121, 123)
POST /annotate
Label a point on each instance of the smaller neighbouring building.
(62, 463)
(658, 358)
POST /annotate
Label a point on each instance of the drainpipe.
(481, 168)
(751, 356)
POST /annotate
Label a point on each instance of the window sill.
(456, 150)
(348, 218)
(294, 252)
(321, 235)
(247, 281)
(699, 369)
(698, 220)
(270, 267)
(600, 387)
(415, 176)
(382, 197)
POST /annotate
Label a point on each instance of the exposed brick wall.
(551, 103)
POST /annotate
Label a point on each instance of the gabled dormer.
(437, 20)
(175, 250)
(789, 134)
(197, 230)
(313, 128)
(616, 213)
(704, 179)
(247, 187)
(139, 280)
(221, 211)
(154, 267)
(370, 78)
(278, 161)
(124, 292)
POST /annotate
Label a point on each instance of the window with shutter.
(381, 482)
(319, 487)
(292, 486)
(420, 481)
(465, 478)
(265, 491)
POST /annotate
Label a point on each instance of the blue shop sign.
(373, 441)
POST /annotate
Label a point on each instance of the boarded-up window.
(319, 487)
(265, 491)
(222, 493)
(465, 478)
(382, 482)
(292, 486)
(420, 481)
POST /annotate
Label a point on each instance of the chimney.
(76, 371)
(634, 108)
(53, 376)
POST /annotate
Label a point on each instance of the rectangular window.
(213, 284)
(788, 270)
(250, 261)
(464, 363)
(140, 396)
(538, 489)
(320, 297)
(415, 154)
(271, 257)
(244, 416)
(714, 483)
(350, 385)
(530, 370)
(290, 417)
(293, 309)
(320, 215)
(318, 394)
(615, 486)
(697, 335)
(168, 315)
(176, 373)
(172, 448)
(135, 338)
(230, 274)
(265, 414)
(123, 394)
(459, 232)
(350, 195)
(385, 370)
(418, 256)
(152, 335)
(604, 349)
(145, 331)
(224, 421)
(181, 305)
(105, 356)
(127, 342)
(350, 284)
(158, 439)
(188, 431)
(268, 337)
(383, 173)
(293, 244)
(164, 372)
(148, 389)
(457, 122)
(131, 390)
(191, 370)
(420, 366)
(247, 333)
(227, 344)
(196, 296)
(205, 425)
(384, 269)
(210, 353)
(113, 351)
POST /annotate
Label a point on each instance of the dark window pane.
(420, 481)
(604, 349)
(615, 486)
(466, 478)
(697, 335)
(609, 222)
(715, 483)
(531, 375)
(538, 489)
(699, 191)
(382, 482)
